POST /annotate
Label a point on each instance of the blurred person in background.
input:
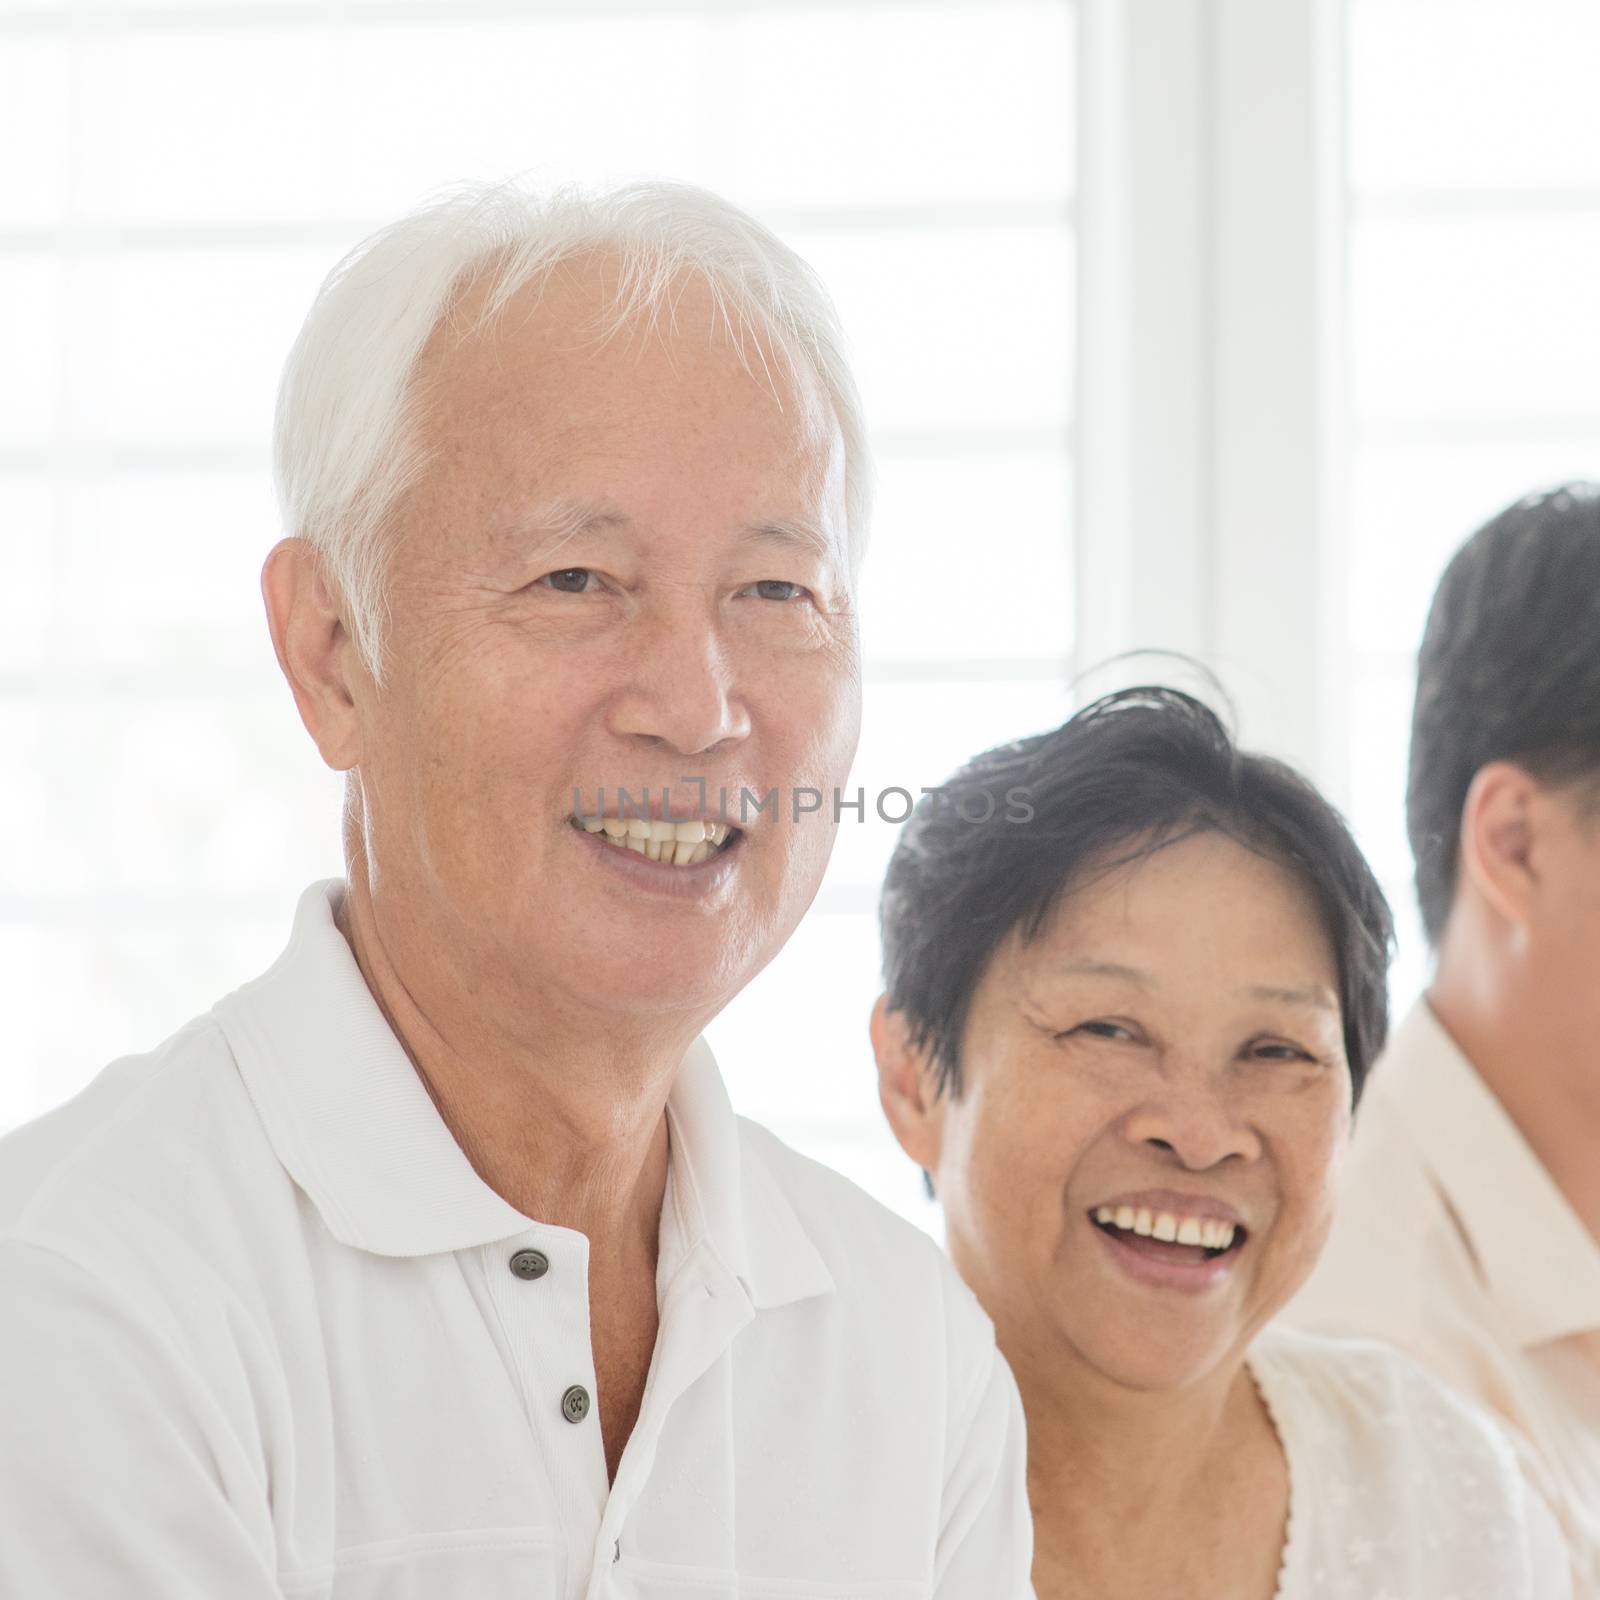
(434, 1260)
(1124, 1035)
(1470, 1233)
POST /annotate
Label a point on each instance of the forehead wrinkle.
(479, 406)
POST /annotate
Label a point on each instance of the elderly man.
(434, 1262)
(1469, 1231)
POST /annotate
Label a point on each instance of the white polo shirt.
(264, 1332)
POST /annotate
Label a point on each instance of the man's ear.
(313, 648)
(907, 1087)
(1500, 822)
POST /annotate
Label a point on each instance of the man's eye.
(778, 589)
(569, 580)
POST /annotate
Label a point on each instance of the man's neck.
(568, 1127)
(1544, 1073)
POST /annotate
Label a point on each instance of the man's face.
(624, 568)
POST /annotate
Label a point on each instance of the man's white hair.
(346, 440)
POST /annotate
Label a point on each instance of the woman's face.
(1167, 1056)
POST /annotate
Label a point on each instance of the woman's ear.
(907, 1087)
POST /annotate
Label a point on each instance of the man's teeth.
(680, 844)
(1167, 1226)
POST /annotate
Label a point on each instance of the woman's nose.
(1199, 1123)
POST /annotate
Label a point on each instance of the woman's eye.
(778, 589)
(1269, 1051)
(1102, 1030)
(569, 580)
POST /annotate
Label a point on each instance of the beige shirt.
(1454, 1243)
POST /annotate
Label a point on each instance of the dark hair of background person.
(1509, 670)
(1132, 772)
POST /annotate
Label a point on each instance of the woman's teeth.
(678, 844)
(1206, 1232)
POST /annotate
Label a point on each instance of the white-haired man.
(433, 1261)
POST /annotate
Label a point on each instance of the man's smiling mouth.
(677, 844)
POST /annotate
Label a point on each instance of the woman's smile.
(1161, 1252)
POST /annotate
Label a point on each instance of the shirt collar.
(727, 1197)
(1537, 1259)
(357, 1130)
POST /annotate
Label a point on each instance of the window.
(1474, 344)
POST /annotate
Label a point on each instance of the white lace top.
(1399, 1489)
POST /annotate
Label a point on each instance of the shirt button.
(530, 1263)
(575, 1403)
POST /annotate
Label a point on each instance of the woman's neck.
(1134, 1487)
(1091, 1438)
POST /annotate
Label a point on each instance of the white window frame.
(1212, 402)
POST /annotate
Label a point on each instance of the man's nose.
(1197, 1119)
(679, 687)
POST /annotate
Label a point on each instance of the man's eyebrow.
(792, 535)
(1314, 995)
(547, 527)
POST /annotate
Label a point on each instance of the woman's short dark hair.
(1509, 670)
(997, 846)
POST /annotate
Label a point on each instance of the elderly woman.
(1134, 981)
